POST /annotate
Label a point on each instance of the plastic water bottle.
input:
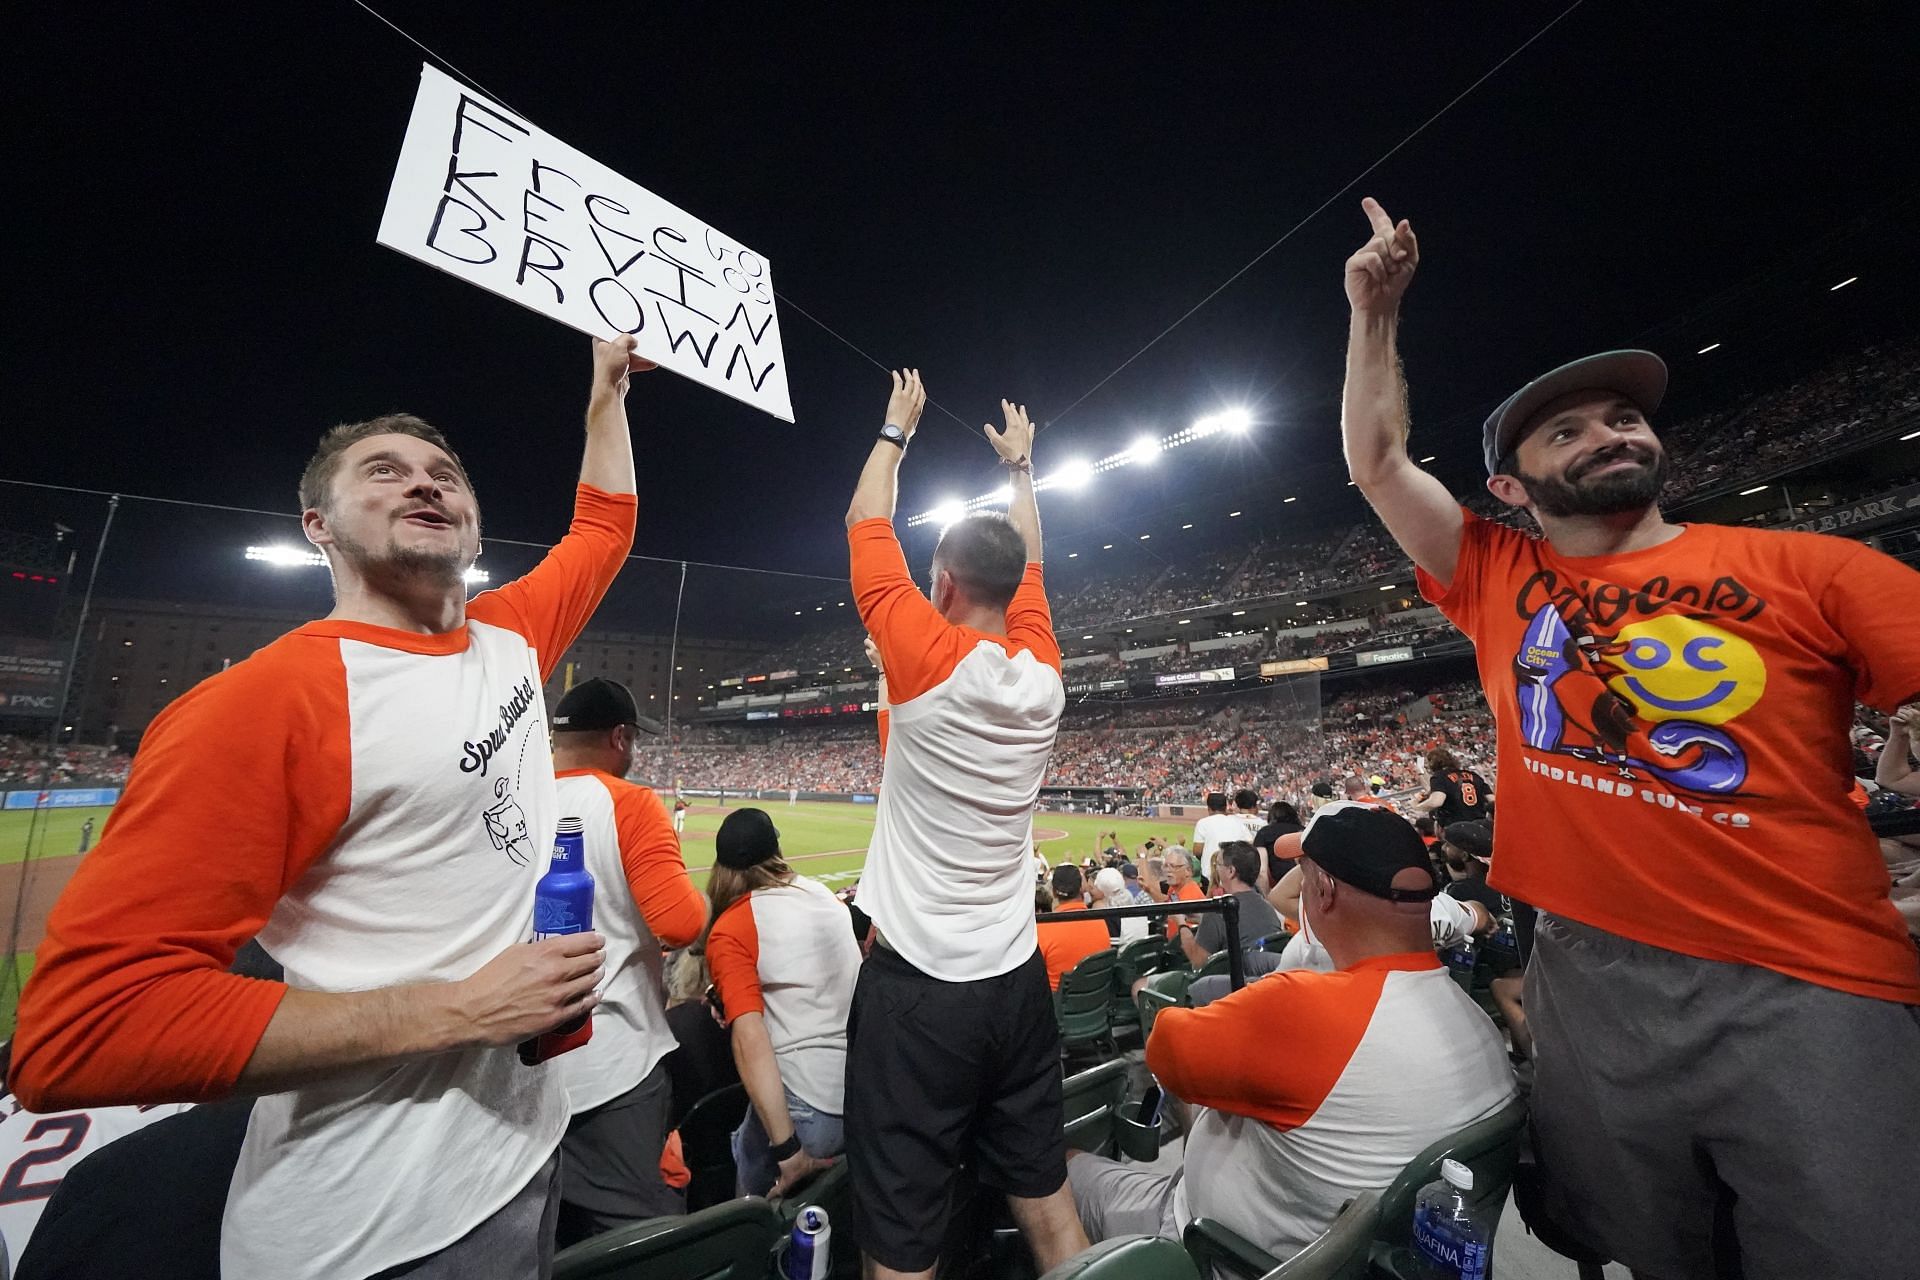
(809, 1252)
(563, 900)
(1451, 1237)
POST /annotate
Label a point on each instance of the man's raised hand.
(613, 361)
(1014, 443)
(1378, 274)
(908, 400)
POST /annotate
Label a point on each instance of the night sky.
(1014, 199)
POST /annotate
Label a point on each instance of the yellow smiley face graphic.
(1677, 668)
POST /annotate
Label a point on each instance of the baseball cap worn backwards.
(599, 704)
(1640, 376)
(746, 838)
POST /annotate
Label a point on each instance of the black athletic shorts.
(940, 1073)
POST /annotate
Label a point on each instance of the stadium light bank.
(1076, 474)
(285, 557)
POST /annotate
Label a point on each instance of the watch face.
(892, 432)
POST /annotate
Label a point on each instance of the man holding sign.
(373, 796)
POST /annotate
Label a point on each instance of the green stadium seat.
(1090, 1104)
(1163, 991)
(1083, 1004)
(1339, 1254)
(1490, 1147)
(1128, 1258)
(706, 1144)
(730, 1241)
(1217, 965)
(832, 1190)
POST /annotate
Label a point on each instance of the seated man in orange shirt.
(1065, 943)
(1385, 1055)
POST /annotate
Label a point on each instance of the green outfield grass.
(10, 989)
(807, 831)
(55, 834)
(829, 841)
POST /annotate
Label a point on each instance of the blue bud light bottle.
(1451, 1235)
(563, 900)
(809, 1248)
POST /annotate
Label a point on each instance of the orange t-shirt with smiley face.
(1674, 764)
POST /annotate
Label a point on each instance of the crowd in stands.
(29, 763)
(1751, 438)
(1174, 750)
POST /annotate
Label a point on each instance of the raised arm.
(1895, 771)
(1014, 444)
(607, 463)
(1416, 508)
(874, 496)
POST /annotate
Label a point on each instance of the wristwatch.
(787, 1150)
(894, 435)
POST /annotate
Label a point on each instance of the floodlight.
(1072, 476)
(946, 513)
(1235, 422)
(1145, 449)
(285, 557)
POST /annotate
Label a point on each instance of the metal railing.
(1227, 907)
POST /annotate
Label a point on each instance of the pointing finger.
(1382, 224)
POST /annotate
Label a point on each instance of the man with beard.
(372, 795)
(1752, 897)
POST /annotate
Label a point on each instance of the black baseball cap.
(1366, 846)
(1129, 871)
(1474, 837)
(600, 704)
(747, 838)
(1640, 376)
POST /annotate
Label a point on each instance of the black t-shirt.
(1466, 796)
(1264, 839)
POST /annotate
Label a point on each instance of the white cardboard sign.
(483, 195)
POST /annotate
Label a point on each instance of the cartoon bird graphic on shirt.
(1591, 697)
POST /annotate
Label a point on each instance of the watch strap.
(784, 1151)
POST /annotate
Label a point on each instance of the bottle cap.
(1457, 1174)
(569, 826)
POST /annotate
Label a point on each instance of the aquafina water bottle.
(1451, 1234)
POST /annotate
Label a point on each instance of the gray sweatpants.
(1690, 1109)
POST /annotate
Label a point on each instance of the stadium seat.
(706, 1144)
(730, 1241)
(1340, 1253)
(1490, 1147)
(1083, 1005)
(1090, 1104)
(1163, 991)
(831, 1190)
(1217, 966)
(1128, 1258)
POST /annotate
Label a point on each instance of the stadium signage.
(731, 682)
(63, 798)
(783, 675)
(481, 194)
(1210, 676)
(763, 715)
(756, 680)
(1096, 686)
(30, 677)
(1381, 657)
(1292, 666)
(1862, 515)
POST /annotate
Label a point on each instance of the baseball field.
(825, 841)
